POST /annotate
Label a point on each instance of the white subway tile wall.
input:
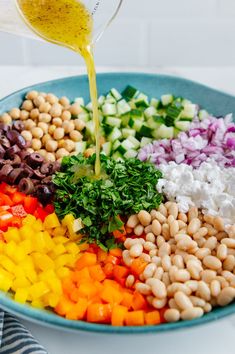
(146, 33)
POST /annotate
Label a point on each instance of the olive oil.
(69, 24)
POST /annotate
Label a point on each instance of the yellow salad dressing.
(67, 23)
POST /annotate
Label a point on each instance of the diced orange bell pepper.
(101, 255)
(134, 318)
(127, 299)
(64, 306)
(87, 290)
(139, 302)
(137, 267)
(112, 259)
(116, 252)
(81, 276)
(112, 283)
(152, 318)
(68, 286)
(78, 310)
(108, 269)
(119, 233)
(86, 260)
(96, 272)
(111, 295)
(18, 198)
(120, 272)
(118, 315)
(99, 313)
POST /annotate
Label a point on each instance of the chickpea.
(58, 133)
(31, 95)
(51, 145)
(34, 114)
(15, 113)
(45, 107)
(43, 126)
(55, 110)
(30, 150)
(51, 129)
(50, 157)
(43, 94)
(29, 124)
(61, 143)
(27, 105)
(52, 99)
(76, 136)
(68, 126)
(36, 144)
(27, 135)
(6, 118)
(46, 138)
(64, 101)
(61, 153)
(57, 122)
(66, 115)
(24, 115)
(75, 109)
(37, 132)
(89, 152)
(79, 124)
(69, 145)
(42, 152)
(44, 117)
(39, 100)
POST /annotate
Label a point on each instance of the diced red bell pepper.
(5, 200)
(16, 221)
(49, 208)
(5, 188)
(18, 198)
(40, 213)
(30, 204)
(18, 210)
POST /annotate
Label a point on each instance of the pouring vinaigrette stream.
(67, 23)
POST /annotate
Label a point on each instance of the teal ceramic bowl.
(216, 102)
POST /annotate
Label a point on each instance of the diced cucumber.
(167, 99)
(135, 124)
(203, 114)
(141, 102)
(158, 119)
(130, 154)
(134, 141)
(150, 111)
(90, 129)
(185, 102)
(129, 92)
(85, 117)
(152, 124)
(176, 132)
(116, 94)
(101, 100)
(110, 99)
(136, 113)
(145, 131)
(116, 144)
(107, 129)
(173, 111)
(169, 121)
(123, 107)
(115, 134)
(80, 101)
(125, 119)
(117, 156)
(154, 102)
(126, 132)
(80, 147)
(127, 144)
(113, 121)
(166, 132)
(189, 111)
(109, 109)
(182, 125)
(107, 148)
(145, 141)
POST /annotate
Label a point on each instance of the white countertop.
(216, 338)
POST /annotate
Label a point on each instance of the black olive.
(35, 160)
(44, 194)
(38, 174)
(15, 175)
(4, 172)
(47, 180)
(16, 161)
(20, 141)
(27, 169)
(2, 152)
(46, 168)
(12, 151)
(5, 142)
(56, 167)
(4, 127)
(24, 154)
(18, 125)
(12, 135)
(26, 186)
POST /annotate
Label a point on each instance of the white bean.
(150, 237)
(229, 242)
(144, 217)
(164, 249)
(159, 303)
(192, 285)
(158, 273)
(203, 291)
(182, 275)
(197, 301)
(148, 246)
(156, 227)
(174, 228)
(212, 262)
(172, 315)
(191, 313)
(143, 288)
(226, 296)
(215, 288)
(130, 280)
(178, 261)
(222, 252)
(133, 221)
(182, 300)
(136, 250)
(208, 275)
(149, 270)
(173, 210)
(158, 288)
(166, 262)
(194, 226)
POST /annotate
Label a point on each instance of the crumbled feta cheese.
(210, 187)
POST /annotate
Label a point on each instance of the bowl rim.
(50, 319)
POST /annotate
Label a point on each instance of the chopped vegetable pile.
(151, 240)
(125, 187)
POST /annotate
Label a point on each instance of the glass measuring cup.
(103, 12)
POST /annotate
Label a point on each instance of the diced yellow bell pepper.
(27, 246)
(38, 304)
(60, 239)
(59, 231)
(59, 249)
(22, 282)
(7, 263)
(63, 272)
(43, 262)
(55, 286)
(72, 248)
(53, 299)
(51, 222)
(6, 280)
(29, 220)
(37, 225)
(50, 244)
(21, 295)
(26, 231)
(12, 234)
(39, 243)
(38, 289)
(19, 255)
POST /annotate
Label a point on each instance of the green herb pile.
(124, 188)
